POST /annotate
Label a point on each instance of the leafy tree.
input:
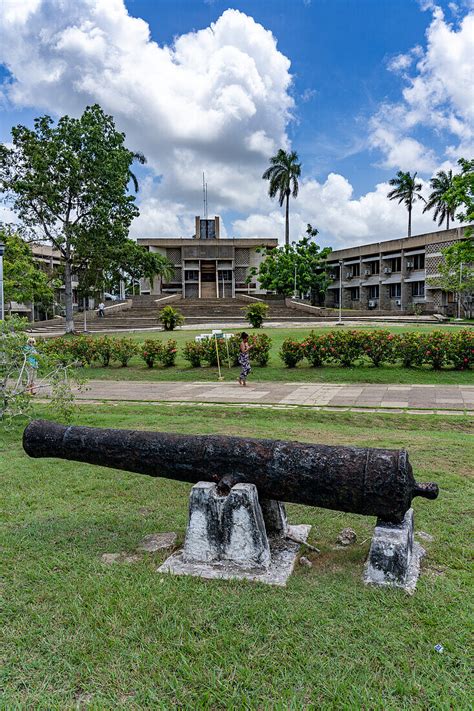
(102, 270)
(283, 175)
(303, 263)
(456, 273)
(405, 190)
(24, 280)
(461, 193)
(440, 184)
(69, 183)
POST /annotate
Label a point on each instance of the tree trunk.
(287, 220)
(447, 221)
(68, 296)
(409, 220)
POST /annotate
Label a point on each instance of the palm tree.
(440, 184)
(406, 190)
(131, 176)
(283, 175)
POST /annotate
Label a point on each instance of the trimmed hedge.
(206, 352)
(437, 348)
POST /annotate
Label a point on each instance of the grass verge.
(77, 633)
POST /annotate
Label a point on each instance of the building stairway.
(143, 314)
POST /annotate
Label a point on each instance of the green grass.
(77, 633)
(276, 371)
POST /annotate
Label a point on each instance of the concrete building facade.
(207, 266)
(392, 275)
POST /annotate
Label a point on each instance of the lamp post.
(459, 292)
(2, 302)
(340, 293)
(294, 288)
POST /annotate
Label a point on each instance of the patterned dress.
(244, 362)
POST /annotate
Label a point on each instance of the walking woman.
(244, 360)
(31, 364)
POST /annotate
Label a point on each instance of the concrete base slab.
(283, 554)
(394, 557)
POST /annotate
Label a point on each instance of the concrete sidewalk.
(442, 399)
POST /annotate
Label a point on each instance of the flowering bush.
(345, 347)
(194, 353)
(103, 348)
(60, 348)
(315, 349)
(123, 349)
(461, 349)
(150, 350)
(209, 350)
(260, 348)
(168, 353)
(379, 346)
(291, 352)
(407, 347)
(82, 349)
(434, 347)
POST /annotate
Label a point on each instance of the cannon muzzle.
(375, 482)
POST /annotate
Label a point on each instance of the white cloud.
(438, 96)
(219, 100)
(341, 219)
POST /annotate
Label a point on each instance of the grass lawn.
(276, 371)
(77, 633)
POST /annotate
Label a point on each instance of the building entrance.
(208, 280)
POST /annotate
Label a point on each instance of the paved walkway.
(443, 399)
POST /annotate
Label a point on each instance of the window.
(375, 267)
(225, 274)
(396, 264)
(191, 275)
(355, 269)
(374, 291)
(355, 294)
(418, 288)
(395, 291)
(207, 229)
(418, 261)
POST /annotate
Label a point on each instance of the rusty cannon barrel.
(375, 482)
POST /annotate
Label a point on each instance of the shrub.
(168, 352)
(345, 347)
(408, 349)
(150, 350)
(103, 350)
(60, 348)
(170, 318)
(209, 350)
(379, 346)
(123, 349)
(260, 351)
(435, 346)
(315, 348)
(291, 352)
(82, 349)
(256, 313)
(461, 349)
(193, 352)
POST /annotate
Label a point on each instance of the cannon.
(369, 481)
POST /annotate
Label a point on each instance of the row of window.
(394, 265)
(394, 291)
(193, 275)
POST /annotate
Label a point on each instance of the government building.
(206, 266)
(393, 275)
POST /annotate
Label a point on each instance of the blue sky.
(359, 88)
